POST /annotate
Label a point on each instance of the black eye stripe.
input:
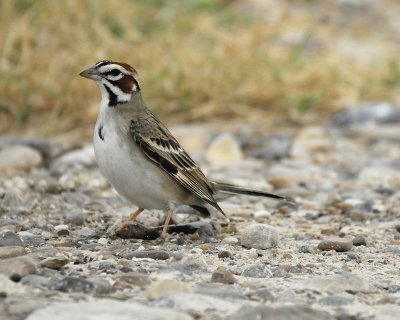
(110, 73)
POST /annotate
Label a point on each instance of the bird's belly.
(134, 176)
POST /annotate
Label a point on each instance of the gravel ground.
(336, 255)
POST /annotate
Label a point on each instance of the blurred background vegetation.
(199, 60)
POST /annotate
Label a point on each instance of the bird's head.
(118, 81)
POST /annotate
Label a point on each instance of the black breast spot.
(100, 132)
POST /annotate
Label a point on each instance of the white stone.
(103, 241)
(230, 240)
(259, 236)
(162, 288)
(223, 149)
(104, 309)
(18, 157)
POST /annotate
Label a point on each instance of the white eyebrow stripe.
(109, 67)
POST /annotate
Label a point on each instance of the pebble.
(76, 217)
(54, 262)
(359, 240)
(8, 239)
(224, 254)
(259, 236)
(71, 284)
(20, 266)
(366, 113)
(223, 149)
(131, 280)
(8, 287)
(149, 254)
(75, 159)
(10, 252)
(293, 312)
(338, 283)
(195, 303)
(335, 243)
(223, 275)
(35, 281)
(163, 288)
(18, 157)
(61, 230)
(194, 262)
(105, 309)
(257, 270)
(230, 240)
(101, 285)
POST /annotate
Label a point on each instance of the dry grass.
(196, 59)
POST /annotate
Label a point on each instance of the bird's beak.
(90, 73)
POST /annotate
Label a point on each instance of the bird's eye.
(115, 72)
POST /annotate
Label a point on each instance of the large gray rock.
(105, 310)
(18, 157)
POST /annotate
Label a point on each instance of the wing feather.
(158, 144)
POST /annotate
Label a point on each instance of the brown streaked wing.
(158, 144)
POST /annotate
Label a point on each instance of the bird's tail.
(226, 190)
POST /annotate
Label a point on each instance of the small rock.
(257, 270)
(367, 113)
(223, 149)
(101, 285)
(335, 243)
(76, 217)
(54, 262)
(61, 230)
(259, 236)
(8, 239)
(131, 280)
(30, 240)
(294, 312)
(10, 252)
(195, 303)
(194, 262)
(103, 241)
(162, 288)
(359, 240)
(105, 309)
(335, 283)
(9, 287)
(18, 157)
(71, 284)
(223, 275)
(132, 230)
(20, 266)
(230, 240)
(224, 254)
(335, 300)
(397, 227)
(75, 159)
(35, 281)
(264, 294)
(149, 254)
(310, 143)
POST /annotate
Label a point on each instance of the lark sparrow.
(140, 157)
